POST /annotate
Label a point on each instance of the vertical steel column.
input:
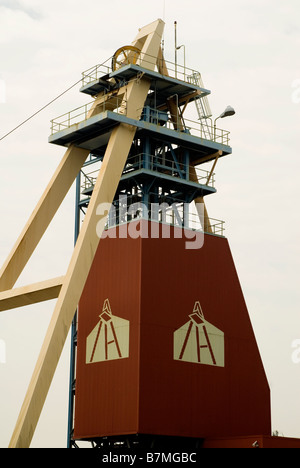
(147, 152)
(74, 325)
(145, 201)
(186, 212)
(187, 164)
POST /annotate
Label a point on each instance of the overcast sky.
(248, 54)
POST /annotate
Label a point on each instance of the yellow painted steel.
(89, 237)
(125, 55)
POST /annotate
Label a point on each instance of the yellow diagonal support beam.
(31, 294)
(44, 212)
(41, 217)
(86, 246)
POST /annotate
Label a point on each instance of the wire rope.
(49, 103)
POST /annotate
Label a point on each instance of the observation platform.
(172, 175)
(90, 126)
(93, 133)
(163, 86)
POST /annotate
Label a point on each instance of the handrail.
(160, 163)
(95, 72)
(177, 71)
(196, 129)
(156, 163)
(66, 120)
(191, 221)
(217, 226)
(164, 213)
(191, 127)
(115, 104)
(201, 129)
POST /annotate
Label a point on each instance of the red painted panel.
(106, 400)
(176, 300)
(190, 399)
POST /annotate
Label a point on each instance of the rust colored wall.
(107, 393)
(154, 284)
(189, 399)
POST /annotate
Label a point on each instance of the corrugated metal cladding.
(165, 344)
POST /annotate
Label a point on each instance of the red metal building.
(201, 385)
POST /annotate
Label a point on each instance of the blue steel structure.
(163, 167)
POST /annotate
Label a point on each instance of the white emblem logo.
(109, 340)
(198, 341)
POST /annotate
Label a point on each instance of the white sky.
(248, 54)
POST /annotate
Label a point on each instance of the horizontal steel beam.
(32, 294)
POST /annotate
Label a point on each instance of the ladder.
(202, 106)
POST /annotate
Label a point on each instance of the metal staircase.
(202, 106)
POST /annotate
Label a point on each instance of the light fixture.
(227, 113)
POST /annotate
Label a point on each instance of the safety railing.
(118, 105)
(176, 213)
(177, 216)
(217, 226)
(159, 163)
(156, 163)
(81, 114)
(96, 72)
(204, 129)
(88, 182)
(73, 117)
(164, 67)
